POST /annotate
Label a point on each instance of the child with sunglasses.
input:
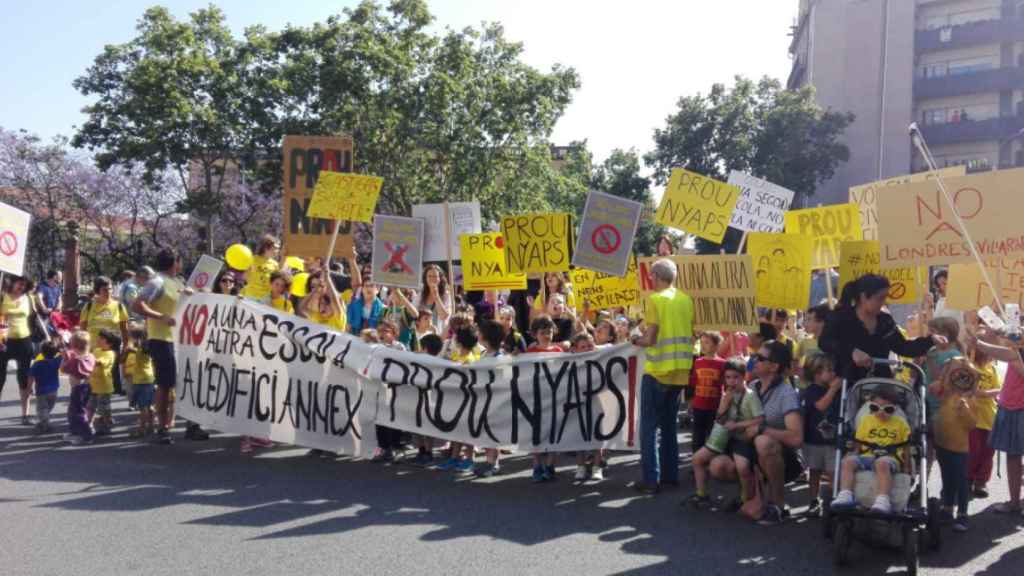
(880, 445)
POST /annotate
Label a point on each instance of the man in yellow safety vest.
(668, 338)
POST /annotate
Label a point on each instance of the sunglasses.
(888, 409)
(761, 358)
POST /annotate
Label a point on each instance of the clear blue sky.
(636, 58)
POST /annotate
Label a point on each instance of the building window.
(970, 66)
(976, 164)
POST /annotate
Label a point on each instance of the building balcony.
(971, 34)
(997, 80)
(973, 130)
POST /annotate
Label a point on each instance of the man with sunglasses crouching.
(881, 441)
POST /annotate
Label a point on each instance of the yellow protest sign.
(967, 290)
(345, 196)
(483, 264)
(606, 290)
(782, 269)
(861, 257)
(537, 242)
(829, 227)
(865, 196)
(722, 288)
(697, 204)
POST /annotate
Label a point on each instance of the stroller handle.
(900, 363)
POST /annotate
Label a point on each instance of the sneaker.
(882, 505)
(644, 488)
(383, 457)
(423, 459)
(814, 509)
(195, 433)
(538, 474)
(772, 516)
(26, 421)
(164, 436)
(486, 470)
(960, 524)
(597, 474)
(844, 501)
(549, 473)
(696, 501)
(980, 492)
(581, 475)
(447, 464)
(464, 466)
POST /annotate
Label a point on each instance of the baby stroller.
(914, 519)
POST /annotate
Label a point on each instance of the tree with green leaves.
(780, 135)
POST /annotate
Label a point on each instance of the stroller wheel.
(910, 549)
(934, 528)
(841, 539)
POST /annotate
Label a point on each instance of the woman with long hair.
(554, 284)
(435, 296)
(15, 309)
(264, 263)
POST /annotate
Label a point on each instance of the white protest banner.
(548, 402)
(13, 239)
(465, 219)
(609, 224)
(204, 274)
(397, 251)
(248, 369)
(761, 206)
(245, 368)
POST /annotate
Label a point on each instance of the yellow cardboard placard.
(537, 242)
(865, 196)
(967, 290)
(606, 290)
(861, 257)
(722, 288)
(345, 196)
(483, 264)
(782, 269)
(697, 204)
(829, 227)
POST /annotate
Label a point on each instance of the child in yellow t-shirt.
(278, 298)
(880, 443)
(138, 366)
(953, 425)
(979, 460)
(101, 381)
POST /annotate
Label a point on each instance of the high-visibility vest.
(674, 349)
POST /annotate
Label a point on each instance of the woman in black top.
(858, 330)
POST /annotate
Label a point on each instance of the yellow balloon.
(295, 263)
(239, 257)
(299, 282)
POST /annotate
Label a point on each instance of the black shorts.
(164, 365)
(741, 448)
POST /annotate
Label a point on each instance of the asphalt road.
(128, 507)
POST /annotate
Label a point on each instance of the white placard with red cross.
(14, 225)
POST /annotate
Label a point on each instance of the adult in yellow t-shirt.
(15, 308)
(264, 263)
(105, 312)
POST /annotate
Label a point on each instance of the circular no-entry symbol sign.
(201, 279)
(8, 243)
(606, 239)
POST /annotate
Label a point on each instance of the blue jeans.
(659, 410)
(953, 466)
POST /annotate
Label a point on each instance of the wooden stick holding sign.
(448, 250)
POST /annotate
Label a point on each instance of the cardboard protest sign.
(14, 225)
(865, 196)
(861, 257)
(609, 224)
(722, 288)
(782, 269)
(829, 227)
(304, 158)
(483, 264)
(205, 273)
(537, 242)
(761, 206)
(917, 226)
(967, 290)
(697, 204)
(345, 196)
(605, 291)
(397, 251)
(465, 219)
(245, 368)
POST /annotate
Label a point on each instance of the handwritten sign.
(341, 196)
(865, 196)
(761, 206)
(917, 226)
(304, 158)
(967, 290)
(14, 225)
(465, 219)
(397, 251)
(697, 204)
(605, 291)
(782, 269)
(204, 274)
(829, 227)
(537, 242)
(861, 257)
(722, 288)
(483, 264)
(607, 231)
